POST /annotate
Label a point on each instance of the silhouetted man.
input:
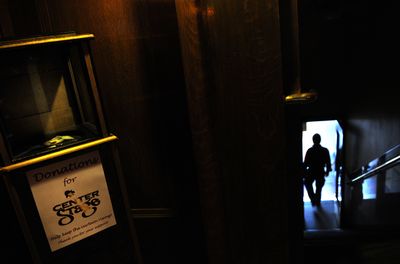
(317, 163)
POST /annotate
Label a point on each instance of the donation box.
(58, 161)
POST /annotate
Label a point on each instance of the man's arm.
(307, 159)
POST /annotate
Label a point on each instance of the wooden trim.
(144, 213)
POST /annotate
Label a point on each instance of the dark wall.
(239, 166)
(373, 122)
(369, 137)
(373, 118)
(348, 55)
(137, 59)
(18, 18)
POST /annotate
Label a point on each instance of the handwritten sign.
(72, 199)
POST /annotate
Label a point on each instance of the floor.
(324, 217)
(325, 242)
(322, 231)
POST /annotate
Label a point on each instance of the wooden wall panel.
(137, 59)
(18, 18)
(22, 18)
(6, 28)
(199, 88)
(231, 53)
(136, 54)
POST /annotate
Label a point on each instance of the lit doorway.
(326, 216)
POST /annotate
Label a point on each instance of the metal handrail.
(387, 165)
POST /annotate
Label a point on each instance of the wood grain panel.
(231, 53)
(198, 89)
(248, 73)
(137, 59)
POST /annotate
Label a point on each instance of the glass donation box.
(58, 161)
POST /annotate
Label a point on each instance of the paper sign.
(72, 199)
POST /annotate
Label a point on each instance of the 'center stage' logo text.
(85, 204)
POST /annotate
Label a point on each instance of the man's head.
(316, 138)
